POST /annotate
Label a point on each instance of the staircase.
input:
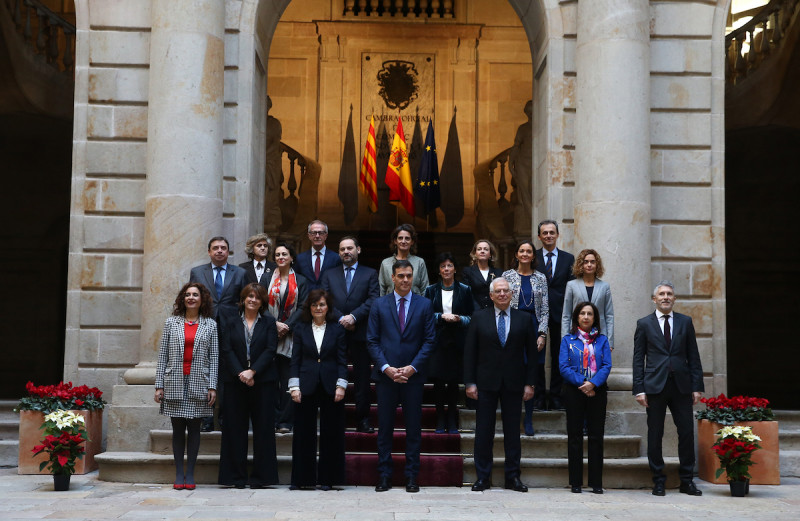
(789, 436)
(9, 434)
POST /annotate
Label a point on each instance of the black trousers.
(485, 420)
(306, 471)
(284, 406)
(591, 410)
(556, 379)
(359, 357)
(680, 405)
(244, 405)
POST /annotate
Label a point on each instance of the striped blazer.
(205, 360)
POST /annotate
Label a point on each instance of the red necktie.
(317, 265)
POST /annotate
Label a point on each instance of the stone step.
(555, 446)
(9, 453)
(9, 429)
(7, 410)
(790, 463)
(552, 472)
(551, 422)
(789, 420)
(161, 442)
(789, 440)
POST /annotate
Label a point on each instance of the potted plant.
(44, 399)
(65, 433)
(741, 411)
(734, 448)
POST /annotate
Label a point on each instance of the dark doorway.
(763, 254)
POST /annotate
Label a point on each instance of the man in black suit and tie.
(314, 262)
(353, 288)
(400, 337)
(257, 249)
(667, 374)
(498, 339)
(557, 267)
(225, 282)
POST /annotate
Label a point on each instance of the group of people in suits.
(280, 329)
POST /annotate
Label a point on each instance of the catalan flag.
(398, 173)
(368, 179)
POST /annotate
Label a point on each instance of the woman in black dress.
(481, 272)
(248, 342)
(452, 308)
(318, 380)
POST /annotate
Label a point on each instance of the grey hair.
(667, 283)
(491, 284)
(317, 221)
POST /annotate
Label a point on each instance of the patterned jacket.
(205, 360)
(539, 283)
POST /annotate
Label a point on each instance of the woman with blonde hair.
(588, 287)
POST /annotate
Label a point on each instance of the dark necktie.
(667, 331)
(218, 282)
(259, 268)
(317, 265)
(349, 279)
(548, 267)
(402, 314)
(501, 328)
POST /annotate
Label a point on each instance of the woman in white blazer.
(186, 374)
(587, 287)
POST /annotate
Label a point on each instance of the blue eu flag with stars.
(427, 188)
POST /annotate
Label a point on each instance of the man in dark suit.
(258, 269)
(225, 282)
(557, 267)
(353, 288)
(314, 262)
(498, 340)
(400, 337)
(667, 374)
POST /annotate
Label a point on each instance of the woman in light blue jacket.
(584, 361)
(588, 287)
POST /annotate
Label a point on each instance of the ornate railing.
(398, 8)
(46, 32)
(495, 212)
(298, 202)
(764, 34)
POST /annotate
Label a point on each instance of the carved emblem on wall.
(399, 83)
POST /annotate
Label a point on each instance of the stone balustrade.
(398, 9)
(299, 206)
(763, 34)
(495, 211)
(47, 33)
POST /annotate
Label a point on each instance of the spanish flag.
(398, 173)
(368, 179)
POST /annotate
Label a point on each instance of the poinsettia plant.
(727, 411)
(734, 448)
(49, 398)
(65, 434)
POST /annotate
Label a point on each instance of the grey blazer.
(205, 360)
(601, 297)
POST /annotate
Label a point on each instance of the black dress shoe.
(481, 485)
(239, 485)
(364, 426)
(658, 489)
(384, 484)
(597, 490)
(690, 488)
(516, 485)
(207, 425)
(539, 405)
(555, 404)
(576, 490)
(411, 485)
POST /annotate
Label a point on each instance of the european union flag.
(427, 188)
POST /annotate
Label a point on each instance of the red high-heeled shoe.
(188, 486)
(178, 486)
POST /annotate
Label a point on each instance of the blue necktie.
(349, 278)
(501, 328)
(402, 313)
(548, 266)
(218, 282)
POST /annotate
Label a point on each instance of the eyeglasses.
(318, 233)
(502, 291)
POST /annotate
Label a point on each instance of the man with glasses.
(498, 340)
(313, 263)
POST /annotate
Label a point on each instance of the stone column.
(183, 190)
(612, 156)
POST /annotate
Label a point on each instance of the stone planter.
(766, 468)
(31, 435)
